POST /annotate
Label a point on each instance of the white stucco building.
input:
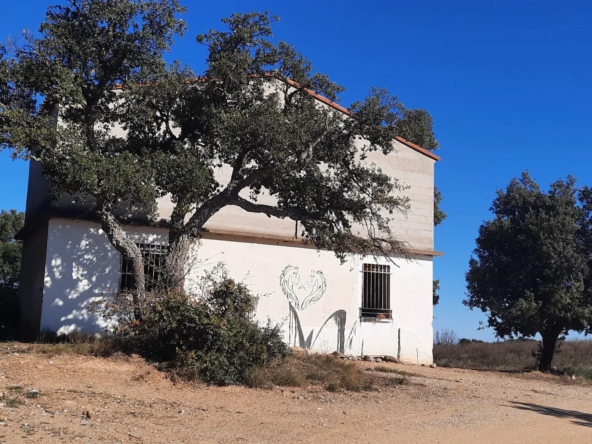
(366, 306)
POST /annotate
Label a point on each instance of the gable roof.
(349, 113)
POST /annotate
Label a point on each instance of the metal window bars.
(154, 257)
(376, 292)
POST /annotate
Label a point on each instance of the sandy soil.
(129, 401)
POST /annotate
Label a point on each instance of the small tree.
(531, 270)
(10, 266)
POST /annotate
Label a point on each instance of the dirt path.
(128, 401)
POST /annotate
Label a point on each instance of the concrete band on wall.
(310, 293)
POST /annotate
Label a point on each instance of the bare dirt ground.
(128, 401)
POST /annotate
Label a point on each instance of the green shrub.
(212, 338)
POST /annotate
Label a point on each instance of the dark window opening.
(376, 292)
(154, 256)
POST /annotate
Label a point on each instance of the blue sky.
(507, 83)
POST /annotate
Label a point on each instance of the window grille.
(154, 256)
(376, 291)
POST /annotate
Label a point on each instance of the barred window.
(154, 256)
(376, 291)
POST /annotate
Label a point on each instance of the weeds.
(12, 402)
(383, 369)
(403, 380)
(141, 376)
(314, 376)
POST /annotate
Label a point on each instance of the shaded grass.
(571, 358)
(77, 343)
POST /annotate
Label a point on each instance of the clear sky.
(508, 84)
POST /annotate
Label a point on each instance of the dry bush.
(445, 337)
(572, 357)
(315, 370)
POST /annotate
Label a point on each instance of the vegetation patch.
(12, 402)
(572, 358)
(317, 370)
(78, 343)
(212, 338)
(383, 369)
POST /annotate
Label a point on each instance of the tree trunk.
(176, 267)
(127, 247)
(549, 343)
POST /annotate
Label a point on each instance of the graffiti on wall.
(295, 290)
(301, 295)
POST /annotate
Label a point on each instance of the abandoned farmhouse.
(365, 306)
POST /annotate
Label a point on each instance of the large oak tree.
(251, 111)
(531, 270)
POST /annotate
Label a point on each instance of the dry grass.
(316, 370)
(396, 371)
(77, 343)
(572, 357)
(14, 402)
(313, 370)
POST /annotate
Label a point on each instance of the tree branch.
(270, 210)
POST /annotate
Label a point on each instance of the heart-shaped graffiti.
(309, 292)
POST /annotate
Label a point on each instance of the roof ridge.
(349, 113)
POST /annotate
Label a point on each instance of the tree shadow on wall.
(579, 418)
(81, 265)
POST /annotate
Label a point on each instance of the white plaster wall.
(81, 264)
(407, 335)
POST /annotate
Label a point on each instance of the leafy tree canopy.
(245, 127)
(531, 270)
(417, 127)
